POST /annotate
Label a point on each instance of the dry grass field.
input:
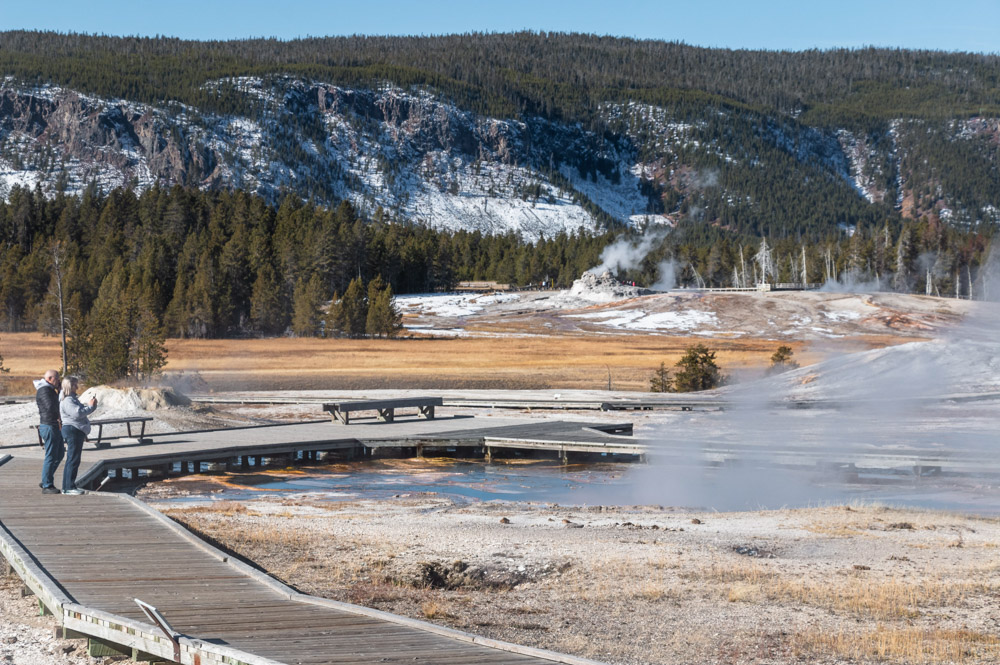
(540, 362)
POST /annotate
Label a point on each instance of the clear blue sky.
(971, 25)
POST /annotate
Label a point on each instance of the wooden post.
(98, 648)
(63, 633)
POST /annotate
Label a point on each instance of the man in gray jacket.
(47, 399)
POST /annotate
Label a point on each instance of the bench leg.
(100, 433)
(426, 412)
(386, 415)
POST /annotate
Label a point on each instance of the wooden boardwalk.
(87, 558)
(189, 452)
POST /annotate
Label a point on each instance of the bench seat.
(101, 422)
(385, 408)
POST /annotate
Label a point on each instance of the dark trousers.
(54, 451)
(74, 446)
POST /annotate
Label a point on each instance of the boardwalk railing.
(92, 623)
(151, 640)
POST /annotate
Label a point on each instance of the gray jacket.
(74, 412)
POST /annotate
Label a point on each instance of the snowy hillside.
(414, 156)
(408, 155)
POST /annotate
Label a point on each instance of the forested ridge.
(216, 264)
(557, 76)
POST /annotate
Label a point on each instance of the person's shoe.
(50, 490)
(74, 492)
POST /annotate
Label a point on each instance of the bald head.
(52, 378)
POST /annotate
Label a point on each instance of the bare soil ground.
(847, 584)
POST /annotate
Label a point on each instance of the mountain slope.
(533, 134)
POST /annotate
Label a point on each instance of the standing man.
(47, 399)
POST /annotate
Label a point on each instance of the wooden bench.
(101, 422)
(386, 408)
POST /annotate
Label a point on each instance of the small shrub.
(782, 361)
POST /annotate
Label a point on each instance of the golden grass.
(227, 508)
(900, 645)
(433, 609)
(837, 530)
(566, 362)
(857, 595)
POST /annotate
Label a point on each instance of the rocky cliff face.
(411, 155)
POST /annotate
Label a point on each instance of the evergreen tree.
(122, 338)
(330, 323)
(99, 348)
(696, 370)
(384, 319)
(307, 303)
(148, 353)
(660, 383)
(267, 308)
(352, 311)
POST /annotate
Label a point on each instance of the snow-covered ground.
(598, 307)
(687, 320)
(451, 304)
